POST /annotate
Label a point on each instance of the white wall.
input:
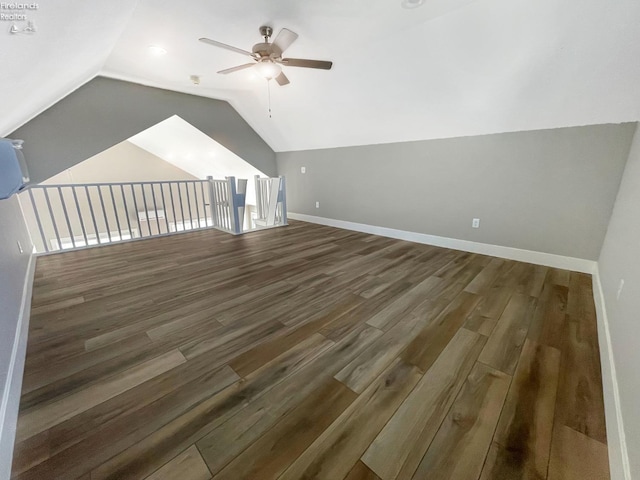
(548, 191)
(14, 269)
(620, 260)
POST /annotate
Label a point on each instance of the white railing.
(271, 201)
(73, 216)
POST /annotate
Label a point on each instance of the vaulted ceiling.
(448, 68)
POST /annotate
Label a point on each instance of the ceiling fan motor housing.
(266, 50)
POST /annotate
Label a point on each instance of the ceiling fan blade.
(303, 62)
(282, 79)
(235, 69)
(284, 39)
(225, 46)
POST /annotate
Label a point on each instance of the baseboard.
(528, 256)
(616, 440)
(13, 386)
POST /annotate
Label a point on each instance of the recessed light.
(411, 3)
(156, 50)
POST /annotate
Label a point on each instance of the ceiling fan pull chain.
(269, 94)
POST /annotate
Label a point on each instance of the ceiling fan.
(267, 57)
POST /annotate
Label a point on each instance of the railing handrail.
(106, 184)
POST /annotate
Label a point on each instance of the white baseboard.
(616, 440)
(528, 256)
(13, 386)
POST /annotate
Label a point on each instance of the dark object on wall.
(13, 169)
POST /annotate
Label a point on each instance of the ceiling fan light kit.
(268, 69)
(267, 56)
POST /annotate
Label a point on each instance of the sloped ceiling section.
(449, 68)
(72, 42)
(187, 148)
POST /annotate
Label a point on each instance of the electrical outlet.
(620, 287)
(303, 169)
(475, 223)
(317, 204)
(20, 247)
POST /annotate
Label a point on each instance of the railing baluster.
(186, 187)
(66, 216)
(173, 209)
(181, 205)
(126, 211)
(104, 214)
(35, 209)
(93, 216)
(224, 188)
(115, 210)
(146, 209)
(53, 218)
(155, 206)
(195, 200)
(135, 205)
(164, 207)
(283, 201)
(204, 205)
(84, 230)
(219, 199)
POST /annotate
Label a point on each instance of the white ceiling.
(187, 148)
(72, 42)
(449, 68)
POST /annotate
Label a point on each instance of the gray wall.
(549, 190)
(620, 260)
(105, 112)
(13, 269)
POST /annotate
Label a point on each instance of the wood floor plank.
(189, 465)
(503, 346)
(272, 453)
(254, 358)
(103, 432)
(249, 423)
(403, 305)
(346, 324)
(334, 453)
(459, 448)
(523, 437)
(233, 341)
(146, 455)
(367, 366)
(575, 456)
(64, 368)
(476, 322)
(361, 472)
(549, 321)
(556, 276)
(41, 418)
(400, 446)
(425, 348)
(580, 395)
(481, 283)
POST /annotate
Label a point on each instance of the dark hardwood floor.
(308, 352)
